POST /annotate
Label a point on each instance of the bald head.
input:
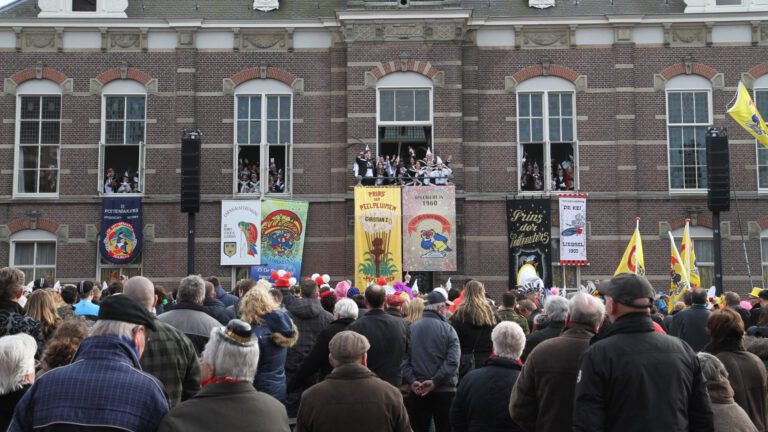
(142, 290)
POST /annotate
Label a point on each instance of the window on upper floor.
(84, 5)
(38, 139)
(82, 8)
(703, 247)
(761, 99)
(34, 253)
(263, 138)
(689, 114)
(546, 135)
(123, 134)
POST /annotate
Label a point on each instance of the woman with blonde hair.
(473, 321)
(41, 305)
(415, 310)
(275, 333)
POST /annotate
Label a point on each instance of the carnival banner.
(377, 234)
(529, 224)
(283, 230)
(240, 243)
(573, 229)
(429, 228)
(121, 235)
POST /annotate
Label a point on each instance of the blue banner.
(261, 272)
(120, 236)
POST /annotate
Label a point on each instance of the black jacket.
(216, 309)
(475, 339)
(317, 359)
(310, 318)
(553, 330)
(690, 325)
(388, 337)
(634, 379)
(754, 315)
(480, 404)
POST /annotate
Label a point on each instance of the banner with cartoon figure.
(529, 221)
(429, 228)
(377, 235)
(573, 229)
(121, 235)
(240, 237)
(283, 229)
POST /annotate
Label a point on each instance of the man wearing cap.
(351, 398)
(759, 299)
(387, 335)
(104, 388)
(394, 305)
(625, 374)
(431, 366)
(228, 400)
(690, 324)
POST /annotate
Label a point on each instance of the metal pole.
(717, 246)
(190, 243)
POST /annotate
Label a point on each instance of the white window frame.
(686, 84)
(263, 88)
(545, 86)
(33, 236)
(63, 9)
(764, 257)
(35, 88)
(760, 85)
(405, 81)
(556, 267)
(122, 88)
(697, 233)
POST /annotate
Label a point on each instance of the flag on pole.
(744, 112)
(633, 261)
(680, 282)
(688, 255)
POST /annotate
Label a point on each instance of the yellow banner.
(680, 281)
(688, 255)
(378, 235)
(633, 260)
(744, 112)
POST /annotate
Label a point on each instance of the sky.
(4, 2)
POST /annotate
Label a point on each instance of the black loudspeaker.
(718, 172)
(190, 172)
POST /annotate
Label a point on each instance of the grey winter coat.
(433, 353)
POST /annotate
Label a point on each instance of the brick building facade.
(629, 85)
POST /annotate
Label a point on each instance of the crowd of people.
(271, 356)
(249, 177)
(387, 170)
(116, 184)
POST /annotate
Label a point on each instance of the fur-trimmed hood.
(284, 331)
(757, 346)
(286, 341)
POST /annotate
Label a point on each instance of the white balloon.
(280, 273)
(326, 278)
(315, 276)
(292, 281)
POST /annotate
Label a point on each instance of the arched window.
(263, 155)
(704, 250)
(404, 115)
(34, 253)
(764, 255)
(38, 139)
(546, 135)
(123, 137)
(689, 114)
(761, 99)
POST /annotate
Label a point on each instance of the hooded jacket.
(276, 333)
(729, 417)
(310, 319)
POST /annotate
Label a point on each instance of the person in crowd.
(275, 333)
(528, 310)
(678, 306)
(760, 329)
(415, 310)
(85, 305)
(351, 398)
(63, 345)
(116, 287)
(17, 372)
(169, 355)
(310, 319)
(540, 322)
(41, 305)
(394, 305)
(729, 417)
(69, 297)
(473, 321)
(757, 346)
(480, 404)
(619, 389)
(359, 300)
(242, 287)
(556, 310)
(344, 313)
(759, 300)
(13, 320)
(215, 307)
(746, 372)
(229, 363)
(221, 295)
(542, 398)
(690, 324)
(96, 300)
(164, 300)
(105, 370)
(327, 299)
(388, 336)
(733, 301)
(508, 311)
(431, 366)
(188, 315)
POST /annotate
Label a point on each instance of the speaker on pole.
(718, 170)
(190, 171)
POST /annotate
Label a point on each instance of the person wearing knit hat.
(229, 363)
(341, 289)
(353, 292)
(354, 389)
(395, 304)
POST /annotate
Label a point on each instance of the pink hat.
(341, 289)
(745, 304)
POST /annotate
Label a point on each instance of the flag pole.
(688, 246)
(637, 230)
(682, 268)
